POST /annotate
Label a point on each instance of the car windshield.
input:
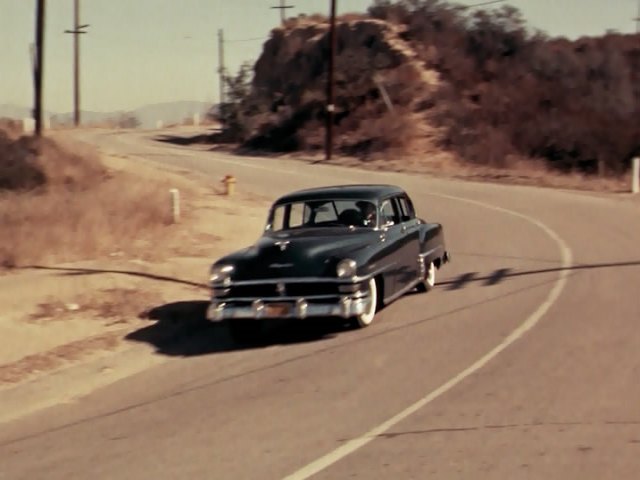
(323, 213)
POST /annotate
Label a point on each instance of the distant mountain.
(148, 115)
(169, 112)
(14, 111)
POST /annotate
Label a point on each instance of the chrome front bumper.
(345, 307)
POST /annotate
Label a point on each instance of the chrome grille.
(280, 289)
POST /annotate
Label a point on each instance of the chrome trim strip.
(278, 299)
(290, 298)
(218, 312)
(294, 280)
(379, 271)
(403, 291)
(425, 254)
(290, 280)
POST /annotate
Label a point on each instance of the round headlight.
(346, 268)
(220, 273)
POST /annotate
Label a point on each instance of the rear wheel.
(366, 318)
(428, 274)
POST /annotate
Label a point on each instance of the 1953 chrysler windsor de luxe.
(339, 251)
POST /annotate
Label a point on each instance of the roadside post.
(175, 205)
(229, 182)
(635, 175)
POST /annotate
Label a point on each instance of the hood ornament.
(282, 244)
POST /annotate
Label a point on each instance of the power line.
(481, 4)
(254, 39)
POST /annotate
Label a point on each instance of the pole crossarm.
(282, 7)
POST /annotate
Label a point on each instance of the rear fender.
(432, 245)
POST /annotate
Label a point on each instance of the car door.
(410, 241)
(399, 247)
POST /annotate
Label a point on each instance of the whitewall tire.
(428, 274)
(365, 319)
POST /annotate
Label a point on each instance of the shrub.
(61, 205)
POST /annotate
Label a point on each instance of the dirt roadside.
(71, 328)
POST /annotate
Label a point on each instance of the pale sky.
(138, 52)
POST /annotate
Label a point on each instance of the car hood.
(298, 253)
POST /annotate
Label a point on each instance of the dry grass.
(81, 211)
(110, 306)
(62, 225)
(46, 361)
(12, 128)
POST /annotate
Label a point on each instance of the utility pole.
(221, 69)
(282, 7)
(330, 82)
(38, 66)
(76, 32)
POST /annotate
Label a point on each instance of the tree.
(230, 113)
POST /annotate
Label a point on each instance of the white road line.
(355, 444)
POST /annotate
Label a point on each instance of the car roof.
(365, 192)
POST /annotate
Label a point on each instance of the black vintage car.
(340, 251)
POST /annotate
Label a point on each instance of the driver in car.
(368, 211)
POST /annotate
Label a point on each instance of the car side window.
(324, 213)
(406, 209)
(388, 213)
(296, 215)
(277, 221)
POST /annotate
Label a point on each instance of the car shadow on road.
(503, 274)
(181, 329)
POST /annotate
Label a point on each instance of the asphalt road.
(524, 362)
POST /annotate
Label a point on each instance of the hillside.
(478, 84)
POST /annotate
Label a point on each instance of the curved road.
(524, 362)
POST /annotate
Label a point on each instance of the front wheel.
(366, 318)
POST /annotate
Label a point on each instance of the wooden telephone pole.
(221, 70)
(38, 66)
(76, 32)
(330, 83)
